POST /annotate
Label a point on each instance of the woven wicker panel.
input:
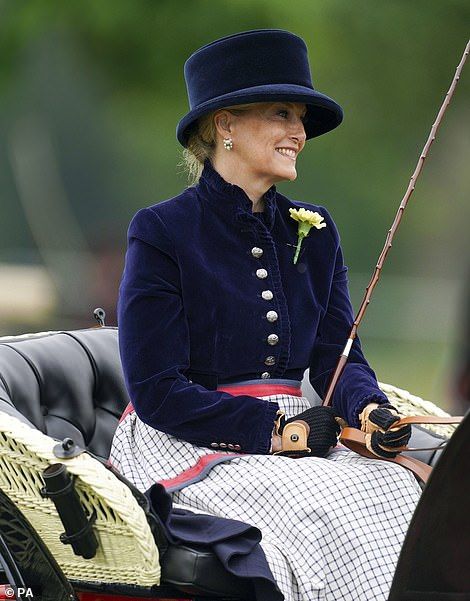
(127, 553)
(410, 404)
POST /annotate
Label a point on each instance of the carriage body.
(69, 384)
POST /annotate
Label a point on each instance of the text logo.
(10, 593)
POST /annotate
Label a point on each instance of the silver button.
(223, 445)
(273, 339)
(214, 445)
(265, 375)
(271, 316)
(261, 274)
(269, 361)
(237, 447)
(257, 252)
(231, 446)
(267, 295)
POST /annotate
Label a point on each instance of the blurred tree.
(104, 83)
(387, 63)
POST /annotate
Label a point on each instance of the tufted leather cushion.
(66, 384)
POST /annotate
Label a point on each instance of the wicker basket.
(410, 404)
(127, 552)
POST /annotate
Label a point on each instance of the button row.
(224, 445)
(271, 316)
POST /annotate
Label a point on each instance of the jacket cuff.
(265, 432)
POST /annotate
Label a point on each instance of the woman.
(219, 316)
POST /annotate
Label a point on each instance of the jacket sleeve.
(154, 347)
(357, 385)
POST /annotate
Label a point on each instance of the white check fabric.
(332, 528)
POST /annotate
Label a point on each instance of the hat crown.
(260, 65)
(245, 60)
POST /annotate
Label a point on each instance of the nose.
(298, 134)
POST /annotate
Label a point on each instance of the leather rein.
(355, 439)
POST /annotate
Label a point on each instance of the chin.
(293, 175)
(287, 174)
(280, 173)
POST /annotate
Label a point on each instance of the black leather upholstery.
(66, 384)
(182, 566)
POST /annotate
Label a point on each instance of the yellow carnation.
(306, 219)
(313, 218)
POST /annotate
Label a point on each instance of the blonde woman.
(221, 311)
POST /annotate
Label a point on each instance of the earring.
(228, 143)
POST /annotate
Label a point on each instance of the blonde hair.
(202, 142)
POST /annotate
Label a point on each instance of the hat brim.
(323, 113)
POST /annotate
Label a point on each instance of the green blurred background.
(90, 94)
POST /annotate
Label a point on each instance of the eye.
(283, 113)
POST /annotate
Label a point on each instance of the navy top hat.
(261, 65)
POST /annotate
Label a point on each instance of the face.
(268, 138)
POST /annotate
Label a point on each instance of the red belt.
(260, 389)
(255, 389)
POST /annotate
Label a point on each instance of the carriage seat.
(66, 384)
(70, 384)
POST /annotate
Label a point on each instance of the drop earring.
(228, 143)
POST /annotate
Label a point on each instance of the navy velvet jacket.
(197, 302)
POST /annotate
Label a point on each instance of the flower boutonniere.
(307, 220)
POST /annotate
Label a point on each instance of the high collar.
(230, 199)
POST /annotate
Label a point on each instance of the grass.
(423, 368)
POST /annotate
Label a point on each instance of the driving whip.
(391, 232)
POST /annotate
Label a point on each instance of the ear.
(223, 123)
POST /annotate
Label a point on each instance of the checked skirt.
(332, 528)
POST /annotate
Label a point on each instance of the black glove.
(322, 430)
(384, 439)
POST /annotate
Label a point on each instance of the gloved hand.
(312, 432)
(382, 438)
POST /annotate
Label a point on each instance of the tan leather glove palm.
(382, 438)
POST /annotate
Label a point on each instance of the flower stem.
(297, 250)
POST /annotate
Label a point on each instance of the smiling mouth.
(287, 152)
